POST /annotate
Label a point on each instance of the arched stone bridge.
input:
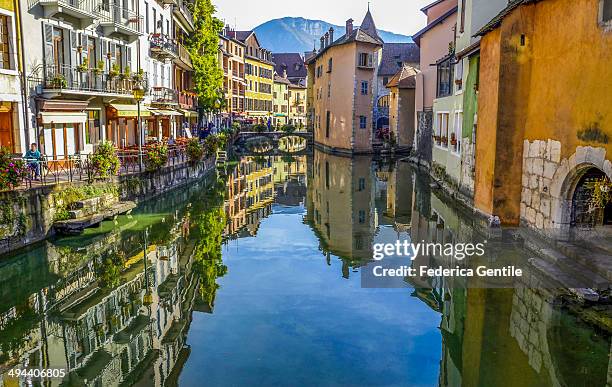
(274, 137)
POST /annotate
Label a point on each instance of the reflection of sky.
(283, 317)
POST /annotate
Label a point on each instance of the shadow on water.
(256, 279)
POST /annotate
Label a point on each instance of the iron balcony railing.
(163, 95)
(163, 45)
(127, 20)
(75, 78)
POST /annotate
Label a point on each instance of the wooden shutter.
(84, 47)
(128, 57)
(74, 60)
(48, 39)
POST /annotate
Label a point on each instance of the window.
(362, 216)
(365, 60)
(327, 123)
(330, 65)
(445, 77)
(459, 75)
(462, 22)
(5, 42)
(441, 130)
(385, 81)
(606, 15)
(362, 184)
(363, 122)
(147, 21)
(364, 87)
(329, 90)
(457, 133)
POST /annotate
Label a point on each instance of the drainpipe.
(21, 69)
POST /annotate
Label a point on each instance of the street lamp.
(138, 93)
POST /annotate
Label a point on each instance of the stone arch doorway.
(582, 213)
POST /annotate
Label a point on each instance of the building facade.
(231, 58)
(342, 79)
(281, 101)
(401, 106)
(539, 162)
(457, 72)
(12, 135)
(297, 106)
(394, 57)
(434, 41)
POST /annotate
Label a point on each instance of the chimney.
(285, 73)
(326, 39)
(322, 43)
(349, 27)
(331, 35)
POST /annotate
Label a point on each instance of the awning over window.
(127, 110)
(189, 113)
(63, 117)
(164, 112)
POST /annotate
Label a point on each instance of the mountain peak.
(297, 34)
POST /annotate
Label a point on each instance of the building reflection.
(256, 184)
(520, 335)
(101, 306)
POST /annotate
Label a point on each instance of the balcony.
(188, 100)
(183, 13)
(162, 47)
(54, 80)
(83, 11)
(163, 96)
(183, 58)
(122, 22)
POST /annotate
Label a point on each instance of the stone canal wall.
(27, 216)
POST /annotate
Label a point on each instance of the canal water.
(256, 279)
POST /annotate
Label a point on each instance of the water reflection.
(255, 279)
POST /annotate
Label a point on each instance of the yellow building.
(297, 106)
(231, 59)
(342, 80)
(259, 74)
(281, 101)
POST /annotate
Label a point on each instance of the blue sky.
(399, 16)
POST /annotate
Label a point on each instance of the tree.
(203, 47)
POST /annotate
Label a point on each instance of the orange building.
(342, 79)
(545, 113)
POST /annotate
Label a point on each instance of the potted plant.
(59, 81)
(453, 139)
(114, 71)
(125, 74)
(84, 66)
(138, 76)
(99, 69)
(156, 156)
(104, 162)
(444, 140)
(195, 150)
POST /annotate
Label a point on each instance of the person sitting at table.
(32, 158)
(171, 140)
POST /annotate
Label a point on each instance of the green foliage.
(288, 128)
(114, 71)
(109, 270)
(260, 128)
(601, 192)
(195, 150)
(213, 143)
(12, 172)
(156, 156)
(65, 198)
(104, 161)
(236, 126)
(202, 46)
